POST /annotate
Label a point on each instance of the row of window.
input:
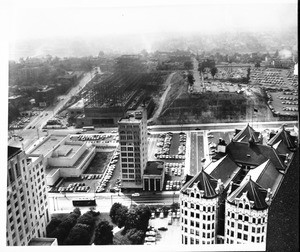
(246, 238)
(199, 207)
(246, 218)
(130, 148)
(194, 241)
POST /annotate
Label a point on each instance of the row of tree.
(74, 229)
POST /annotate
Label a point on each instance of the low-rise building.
(154, 176)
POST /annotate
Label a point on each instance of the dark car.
(162, 229)
(197, 129)
(101, 132)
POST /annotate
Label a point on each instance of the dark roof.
(254, 154)
(204, 182)
(225, 169)
(246, 134)
(12, 151)
(267, 176)
(254, 192)
(154, 168)
(284, 136)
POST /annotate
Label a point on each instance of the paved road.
(104, 201)
(221, 126)
(33, 131)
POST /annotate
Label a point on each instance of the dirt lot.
(99, 163)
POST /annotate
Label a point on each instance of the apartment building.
(27, 207)
(133, 147)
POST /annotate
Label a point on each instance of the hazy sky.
(41, 19)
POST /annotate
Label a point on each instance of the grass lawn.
(99, 162)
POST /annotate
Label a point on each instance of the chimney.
(220, 187)
(268, 197)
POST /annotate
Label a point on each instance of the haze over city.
(56, 28)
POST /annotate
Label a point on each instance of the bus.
(87, 128)
(84, 202)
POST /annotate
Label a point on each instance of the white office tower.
(134, 147)
(27, 208)
(199, 204)
(246, 214)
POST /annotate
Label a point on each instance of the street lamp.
(134, 195)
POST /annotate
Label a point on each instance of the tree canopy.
(103, 233)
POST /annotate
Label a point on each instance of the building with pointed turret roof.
(238, 188)
(199, 202)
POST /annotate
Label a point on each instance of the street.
(63, 202)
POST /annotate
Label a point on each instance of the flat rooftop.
(47, 145)
(154, 168)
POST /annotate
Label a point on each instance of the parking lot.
(171, 236)
(169, 148)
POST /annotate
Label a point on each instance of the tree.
(138, 217)
(175, 206)
(79, 235)
(213, 71)
(120, 217)
(113, 210)
(191, 79)
(87, 219)
(53, 224)
(103, 233)
(64, 228)
(257, 64)
(136, 236)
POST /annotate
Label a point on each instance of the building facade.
(199, 200)
(133, 147)
(27, 207)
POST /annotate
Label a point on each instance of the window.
(246, 228)
(204, 217)
(208, 226)
(246, 218)
(213, 225)
(263, 229)
(124, 159)
(257, 239)
(259, 221)
(197, 207)
(197, 215)
(192, 240)
(232, 224)
(252, 239)
(253, 220)
(245, 237)
(208, 235)
(203, 235)
(232, 215)
(192, 214)
(203, 226)
(192, 223)
(232, 233)
(258, 230)
(197, 232)
(185, 204)
(197, 224)
(240, 217)
(204, 208)
(197, 241)
(192, 231)
(239, 235)
(208, 217)
(192, 205)
(239, 226)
